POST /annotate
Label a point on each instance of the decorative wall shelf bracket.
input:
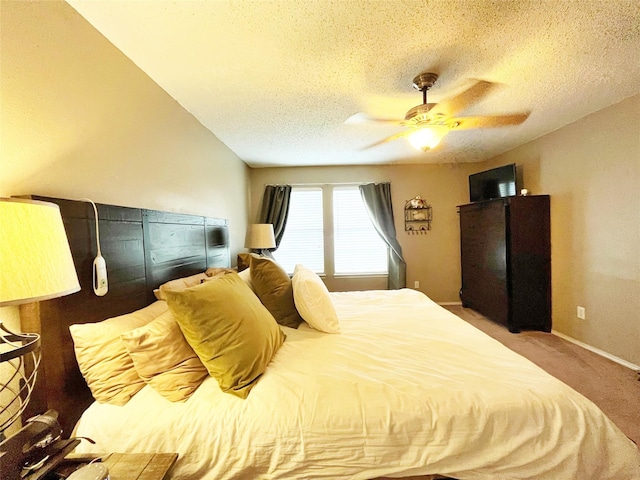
(417, 216)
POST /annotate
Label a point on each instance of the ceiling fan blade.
(452, 106)
(361, 118)
(389, 139)
(490, 121)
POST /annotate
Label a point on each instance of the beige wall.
(78, 119)
(433, 259)
(591, 169)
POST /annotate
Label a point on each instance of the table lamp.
(260, 238)
(35, 265)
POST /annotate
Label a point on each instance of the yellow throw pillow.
(232, 333)
(313, 301)
(272, 285)
(103, 358)
(163, 358)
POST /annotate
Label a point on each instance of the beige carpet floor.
(613, 387)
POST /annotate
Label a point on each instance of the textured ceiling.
(275, 80)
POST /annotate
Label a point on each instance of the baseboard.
(602, 353)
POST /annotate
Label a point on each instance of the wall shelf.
(417, 216)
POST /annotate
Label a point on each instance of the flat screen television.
(495, 183)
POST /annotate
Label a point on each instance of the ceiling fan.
(428, 123)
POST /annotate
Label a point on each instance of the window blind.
(303, 240)
(358, 249)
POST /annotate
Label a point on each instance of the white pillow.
(313, 301)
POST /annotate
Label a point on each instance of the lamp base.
(35, 449)
(263, 252)
(20, 356)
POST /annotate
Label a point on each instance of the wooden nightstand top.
(130, 466)
(139, 466)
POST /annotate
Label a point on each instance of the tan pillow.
(245, 275)
(163, 358)
(214, 271)
(103, 358)
(313, 301)
(232, 333)
(180, 283)
(273, 287)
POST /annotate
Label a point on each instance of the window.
(302, 241)
(355, 248)
(358, 249)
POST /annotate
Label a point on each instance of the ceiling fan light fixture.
(427, 138)
(426, 124)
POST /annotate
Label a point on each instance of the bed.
(401, 388)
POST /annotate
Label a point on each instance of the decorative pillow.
(273, 287)
(163, 358)
(232, 333)
(244, 260)
(313, 302)
(102, 355)
(180, 283)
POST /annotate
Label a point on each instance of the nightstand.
(139, 466)
(128, 466)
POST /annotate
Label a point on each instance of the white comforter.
(406, 389)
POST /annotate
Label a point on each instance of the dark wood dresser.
(506, 260)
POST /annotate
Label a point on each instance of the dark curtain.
(377, 199)
(275, 209)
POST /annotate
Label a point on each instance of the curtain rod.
(318, 184)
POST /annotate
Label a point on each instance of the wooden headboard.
(143, 249)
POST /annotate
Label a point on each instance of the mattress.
(407, 388)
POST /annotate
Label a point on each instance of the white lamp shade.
(260, 235)
(35, 258)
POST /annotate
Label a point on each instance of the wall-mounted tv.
(495, 183)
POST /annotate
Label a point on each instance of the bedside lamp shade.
(35, 259)
(260, 236)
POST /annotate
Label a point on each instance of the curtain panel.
(275, 209)
(377, 200)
